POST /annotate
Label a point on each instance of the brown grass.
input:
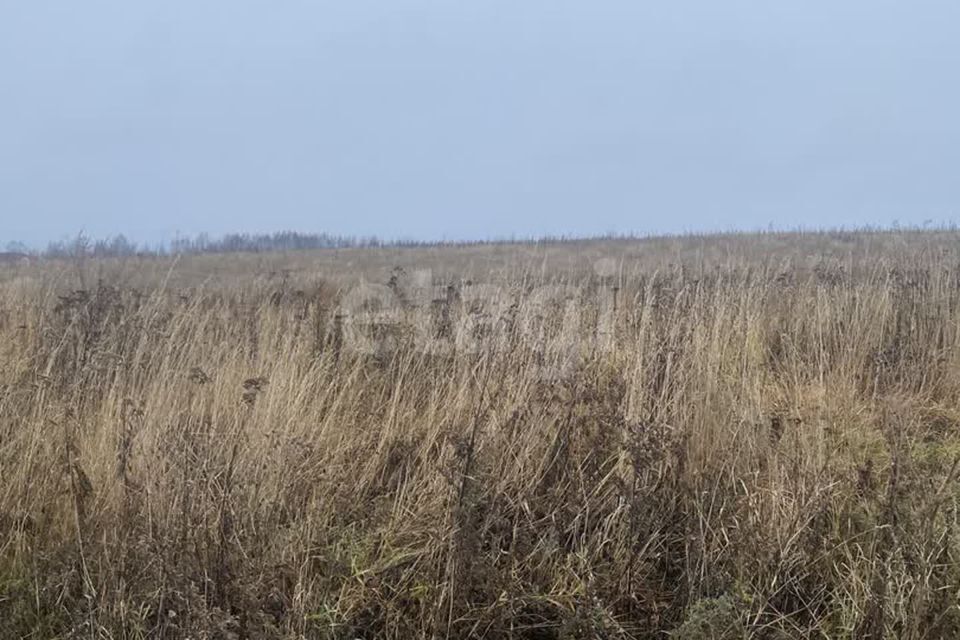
(763, 442)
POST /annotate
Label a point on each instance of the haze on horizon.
(429, 119)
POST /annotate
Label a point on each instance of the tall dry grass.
(762, 442)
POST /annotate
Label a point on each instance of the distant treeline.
(120, 245)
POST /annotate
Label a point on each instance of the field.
(734, 436)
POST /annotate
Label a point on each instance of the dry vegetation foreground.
(728, 437)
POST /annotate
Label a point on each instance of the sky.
(464, 119)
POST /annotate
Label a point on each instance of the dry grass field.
(738, 436)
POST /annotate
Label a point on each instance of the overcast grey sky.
(461, 119)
